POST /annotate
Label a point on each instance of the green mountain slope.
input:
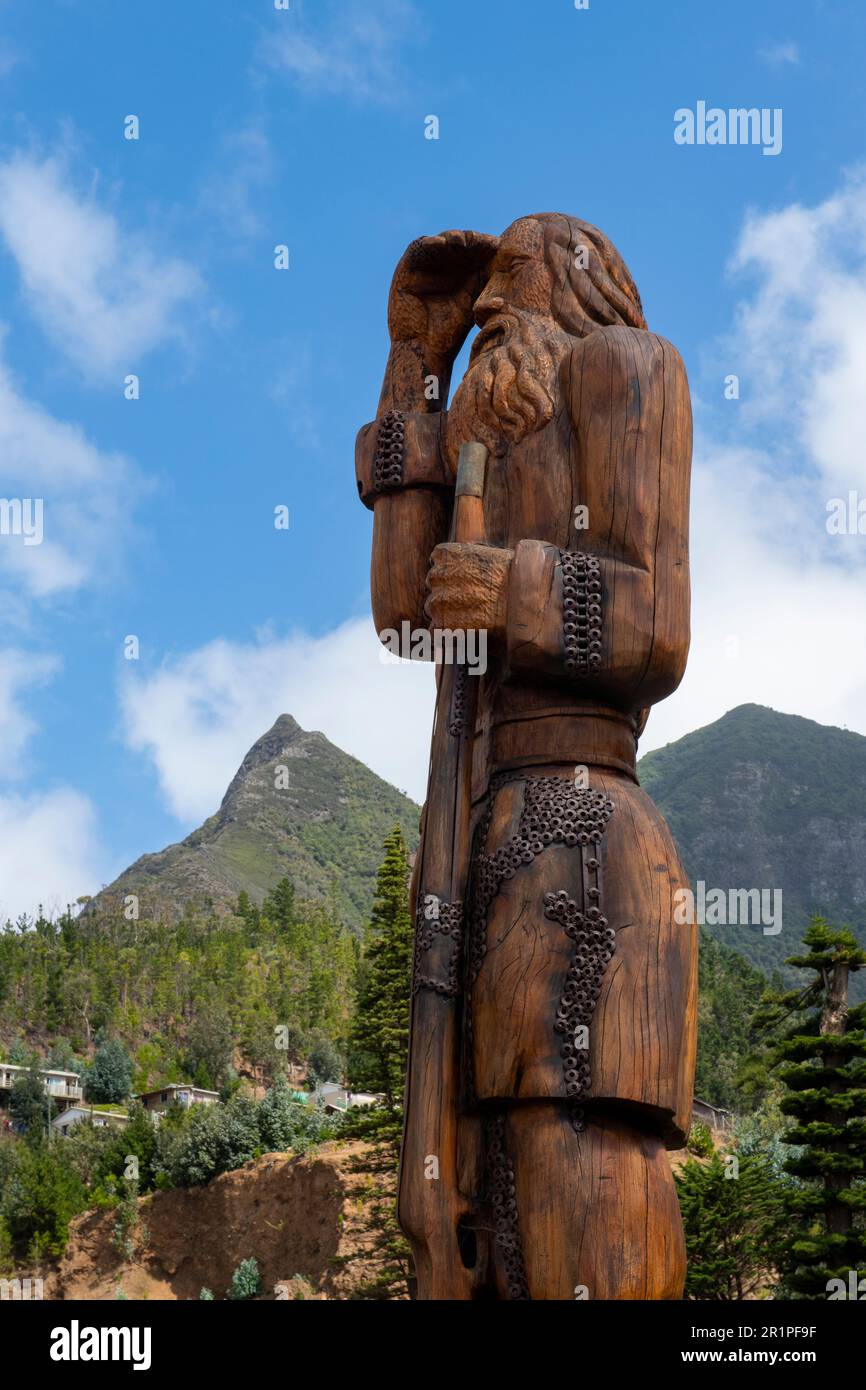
(324, 831)
(767, 800)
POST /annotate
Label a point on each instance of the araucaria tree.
(823, 1066)
(380, 1035)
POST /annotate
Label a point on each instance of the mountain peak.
(284, 732)
(297, 807)
(285, 724)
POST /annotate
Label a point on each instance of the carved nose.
(486, 306)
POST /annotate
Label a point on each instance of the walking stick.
(432, 1209)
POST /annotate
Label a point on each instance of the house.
(77, 1114)
(181, 1093)
(336, 1099)
(63, 1087)
(713, 1116)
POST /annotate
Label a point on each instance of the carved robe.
(574, 871)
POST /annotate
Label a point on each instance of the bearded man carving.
(559, 964)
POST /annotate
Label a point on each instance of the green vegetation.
(109, 1079)
(44, 1184)
(733, 1216)
(29, 1106)
(182, 1000)
(728, 1037)
(821, 1060)
(198, 1144)
(246, 1281)
(39, 1195)
(379, 1042)
(700, 1140)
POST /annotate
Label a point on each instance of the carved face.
(554, 279)
(509, 388)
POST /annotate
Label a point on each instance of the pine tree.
(823, 1052)
(279, 905)
(380, 1035)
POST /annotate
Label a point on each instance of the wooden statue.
(554, 998)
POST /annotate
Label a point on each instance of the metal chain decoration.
(457, 722)
(449, 922)
(388, 461)
(581, 612)
(554, 812)
(503, 1198)
(594, 944)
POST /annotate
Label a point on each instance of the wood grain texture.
(613, 1231)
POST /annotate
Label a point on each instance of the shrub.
(701, 1140)
(213, 1139)
(246, 1281)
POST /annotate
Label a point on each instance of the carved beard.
(509, 389)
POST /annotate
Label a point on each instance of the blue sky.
(305, 127)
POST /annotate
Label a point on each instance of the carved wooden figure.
(554, 998)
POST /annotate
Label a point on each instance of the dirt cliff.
(314, 1224)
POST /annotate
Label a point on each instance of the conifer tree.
(380, 1035)
(732, 1217)
(279, 906)
(823, 1067)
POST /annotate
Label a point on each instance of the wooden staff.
(432, 1210)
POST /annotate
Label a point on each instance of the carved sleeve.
(402, 477)
(399, 450)
(611, 612)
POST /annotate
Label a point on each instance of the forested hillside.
(190, 999)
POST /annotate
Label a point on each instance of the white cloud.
(778, 614)
(87, 498)
(20, 671)
(198, 715)
(349, 51)
(103, 295)
(772, 623)
(800, 339)
(782, 54)
(244, 168)
(49, 852)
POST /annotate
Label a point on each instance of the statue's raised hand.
(435, 285)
